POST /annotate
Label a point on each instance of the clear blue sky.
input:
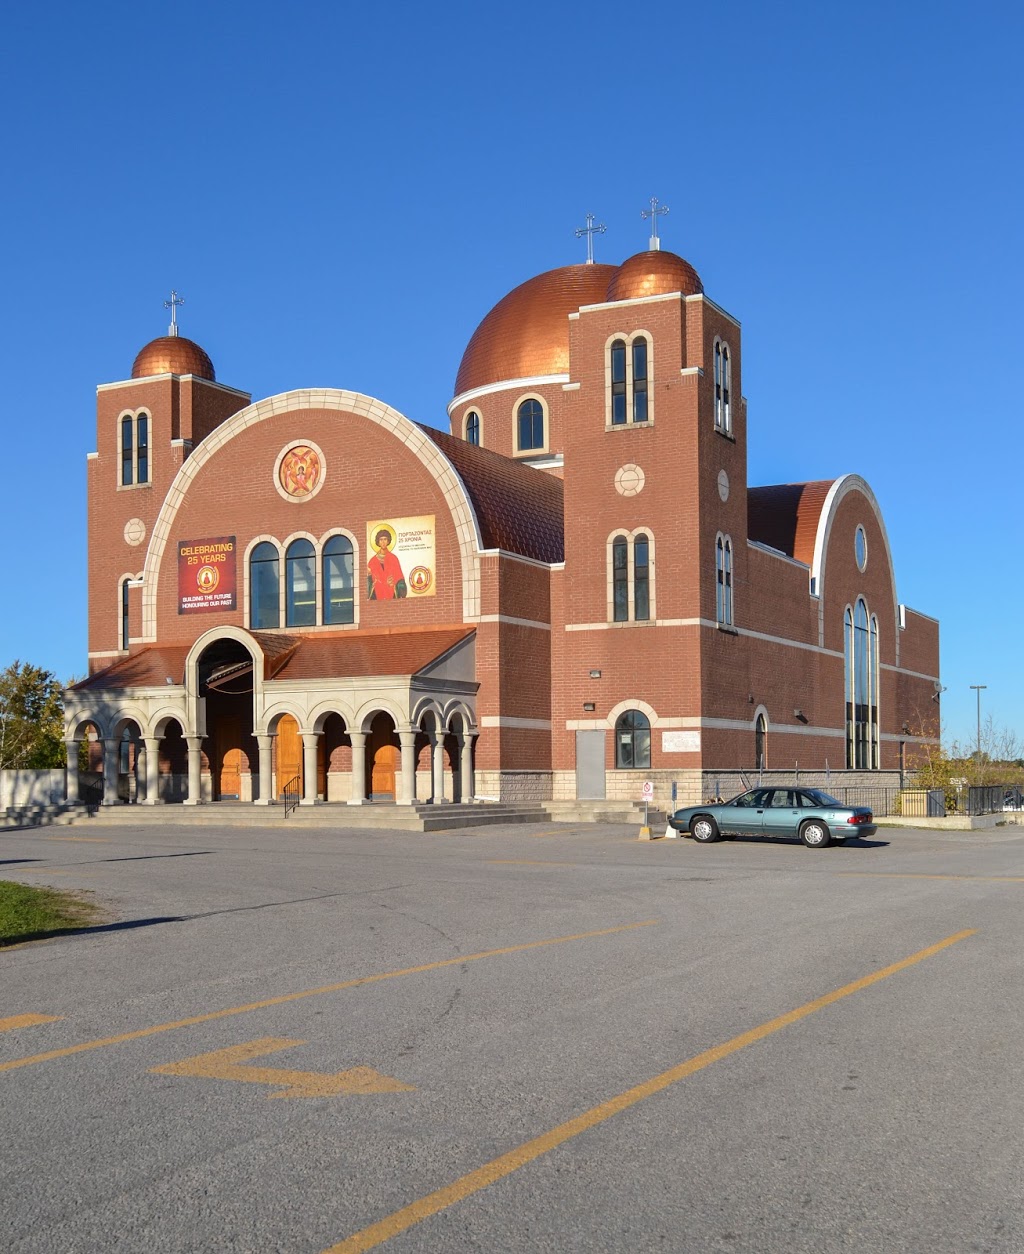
(342, 190)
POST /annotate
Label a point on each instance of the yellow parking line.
(25, 1021)
(376, 1234)
(314, 992)
(85, 840)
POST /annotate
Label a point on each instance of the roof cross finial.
(654, 213)
(590, 230)
(172, 305)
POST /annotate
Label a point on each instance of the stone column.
(266, 789)
(110, 772)
(195, 771)
(152, 746)
(309, 742)
(438, 767)
(358, 797)
(71, 775)
(407, 794)
(466, 780)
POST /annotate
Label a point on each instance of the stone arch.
(320, 713)
(434, 461)
(631, 703)
(366, 713)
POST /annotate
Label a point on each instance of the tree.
(31, 718)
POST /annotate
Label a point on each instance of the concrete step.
(42, 815)
(605, 811)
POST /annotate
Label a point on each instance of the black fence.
(991, 799)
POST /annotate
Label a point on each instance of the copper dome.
(653, 274)
(173, 354)
(526, 334)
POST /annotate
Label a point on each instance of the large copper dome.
(527, 333)
(173, 354)
(653, 274)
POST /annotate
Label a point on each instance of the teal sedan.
(805, 813)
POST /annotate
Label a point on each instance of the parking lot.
(549, 1038)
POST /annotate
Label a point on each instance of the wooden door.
(382, 776)
(229, 756)
(289, 753)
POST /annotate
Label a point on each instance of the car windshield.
(820, 798)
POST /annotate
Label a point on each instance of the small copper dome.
(653, 274)
(526, 334)
(173, 354)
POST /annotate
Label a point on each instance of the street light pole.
(979, 689)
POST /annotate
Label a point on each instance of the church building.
(571, 591)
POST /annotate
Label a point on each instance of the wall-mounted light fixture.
(799, 714)
(595, 674)
(170, 680)
(589, 706)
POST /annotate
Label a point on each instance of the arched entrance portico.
(225, 670)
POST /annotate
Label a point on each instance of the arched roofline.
(445, 475)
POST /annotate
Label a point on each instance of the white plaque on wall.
(680, 742)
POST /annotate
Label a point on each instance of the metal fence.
(991, 799)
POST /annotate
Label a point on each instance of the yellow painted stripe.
(85, 840)
(916, 875)
(25, 1021)
(376, 1234)
(313, 992)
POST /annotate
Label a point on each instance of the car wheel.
(815, 835)
(705, 829)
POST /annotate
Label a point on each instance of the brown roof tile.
(148, 669)
(519, 509)
(785, 516)
(375, 653)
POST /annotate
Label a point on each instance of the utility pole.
(979, 689)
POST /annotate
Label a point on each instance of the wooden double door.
(290, 761)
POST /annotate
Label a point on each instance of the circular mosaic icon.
(299, 473)
(629, 480)
(134, 532)
(723, 485)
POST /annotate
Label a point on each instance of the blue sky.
(342, 191)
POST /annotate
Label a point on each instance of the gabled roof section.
(149, 669)
(786, 515)
(350, 654)
(519, 509)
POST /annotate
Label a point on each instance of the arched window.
(124, 613)
(641, 579)
(618, 376)
(761, 742)
(300, 584)
(338, 581)
(620, 579)
(632, 741)
(142, 449)
(473, 427)
(723, 388)
(723, 580)
(264, 586)
(531, 425)
(861, 674)
(127, 450)
(640, 379)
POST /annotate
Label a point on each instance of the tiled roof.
(785, 516)
(148, 669)
(373, 653)
(519, 509)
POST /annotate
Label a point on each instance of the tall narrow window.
(726, 388)
(473, 427)
(861, 673)
(531, 425)
(618, 382)
(761, 742)
(127, 451)
(264, 586)
(142, 449)
(633, 741)
(124, 613)
(620, 579)
(338, 580)
(723, 580)
(300, 584)
(641, 579)
(640, 380)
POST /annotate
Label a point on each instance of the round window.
(860, 548)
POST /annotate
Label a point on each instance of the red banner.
(206, 575)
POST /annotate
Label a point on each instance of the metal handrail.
(291, 794)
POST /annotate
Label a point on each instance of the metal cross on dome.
(654, 213)
(590, 230)
(172, 305)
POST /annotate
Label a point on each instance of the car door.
(781, 816)
(745, 817)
